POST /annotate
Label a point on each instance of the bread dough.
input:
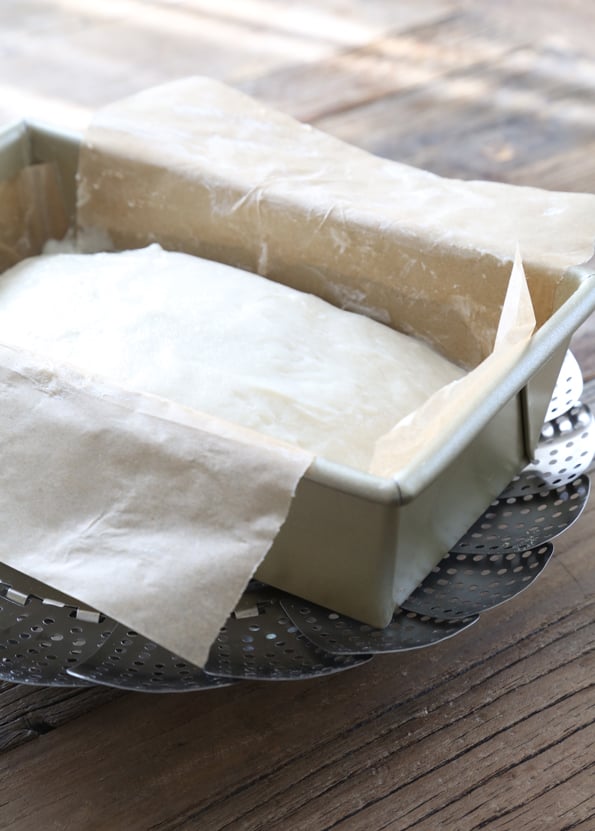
(224, 341)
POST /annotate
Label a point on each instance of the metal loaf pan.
(357, 543)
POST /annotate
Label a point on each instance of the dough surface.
(224, 341)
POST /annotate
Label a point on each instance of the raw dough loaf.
(224, 341)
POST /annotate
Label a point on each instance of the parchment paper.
(152, 513)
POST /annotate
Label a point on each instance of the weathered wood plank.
(392, 758)
(484, 122)
(400, 63)
(236, 753)
(27, 712)
(94, 53)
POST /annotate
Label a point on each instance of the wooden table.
(493, 729)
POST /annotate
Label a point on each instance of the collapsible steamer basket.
(326, 592)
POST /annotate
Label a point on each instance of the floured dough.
(224, 341)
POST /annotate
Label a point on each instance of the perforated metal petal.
(565, 451)
(469, 584)
(130, 661)
(568, 389)
(259, 641)
(39, 640)
(342, 635)
(521, 522)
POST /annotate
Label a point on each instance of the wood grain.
(493, 729)
(485, 121)
(27, 712)
(415, 737)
